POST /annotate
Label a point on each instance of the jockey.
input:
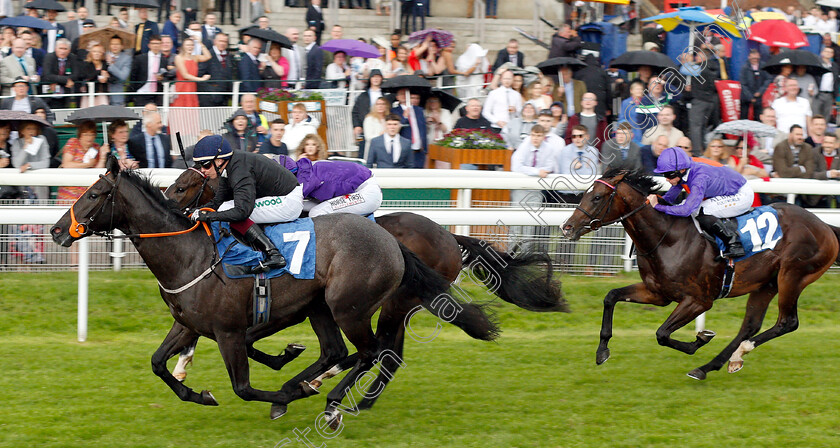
(252, 189)
(332, 186)
(713, 192)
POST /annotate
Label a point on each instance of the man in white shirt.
(502, 104)
(578, 157)
(534, 157)
(791, 109)
(390, 150)
(300, 126)
(147, 67)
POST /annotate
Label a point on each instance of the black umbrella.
(632, 60)
(135, 3)
(269, 36)
(16, 116)
(50, 5)
(552, 66)
(448, 101)
(416, 84)
(796, 57)
(28, 22)
(103, 113)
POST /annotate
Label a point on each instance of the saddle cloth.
(295, 240)
(759, 230)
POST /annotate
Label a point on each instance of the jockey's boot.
(273, 259)
(729, 235)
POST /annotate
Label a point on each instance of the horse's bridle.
(80, 230)
(194, 203)
(596, 223)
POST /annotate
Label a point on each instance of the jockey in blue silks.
(713, 192)
(333, 186)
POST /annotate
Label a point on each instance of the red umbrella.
(778, 33)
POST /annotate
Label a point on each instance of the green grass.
(538, 386)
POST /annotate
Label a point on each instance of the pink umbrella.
(778, 33)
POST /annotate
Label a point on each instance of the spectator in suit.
(209, 30)
(650, 153)
(58, 71)
(390, 150)
(570, 90)
(405, 111)
(793, 157)
(534, 156)
(17, 65)
(221, 68)
(828, 159)
(510, 54)
(148, 109)
(250, 67)
(151, 148)
(621, 150)
(564, 43)
(73, 28)
(314, 60)
(36, 53)
(119, 66)
(147, 74)
(239, 137)
(170, 28)
(144, 31)
(300, 126)
(274, 144)
(49, 37)
(315, 20)
(754, 81)
(22, 101)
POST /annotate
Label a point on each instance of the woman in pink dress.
(186, 70)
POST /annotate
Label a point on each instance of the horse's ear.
(112, 164)
(620, 176)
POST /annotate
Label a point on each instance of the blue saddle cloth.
(295, 240)
(759, 230)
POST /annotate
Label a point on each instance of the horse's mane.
(144, 184)
(638, 179)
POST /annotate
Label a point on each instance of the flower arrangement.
(275, 94)
(472, 138)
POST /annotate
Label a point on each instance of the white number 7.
(302, 237)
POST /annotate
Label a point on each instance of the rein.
(595, 223)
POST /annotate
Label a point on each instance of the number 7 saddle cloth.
(759, 230)
(295, 240)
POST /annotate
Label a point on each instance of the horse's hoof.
(697, 374)
(308, 389)
(706, 335)
(208, 399)
(180, 376)
(602, 356)
(294, 350)
(735, 366)
(277, 410)
(334, 419)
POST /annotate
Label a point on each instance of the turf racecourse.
(538, 386)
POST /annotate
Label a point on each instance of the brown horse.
(525, 279)
(677, 264)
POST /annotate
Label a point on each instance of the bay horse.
(678, 264)
(200, 300)
(524, 279)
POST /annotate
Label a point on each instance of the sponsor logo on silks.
(346, 201)
(268, 202)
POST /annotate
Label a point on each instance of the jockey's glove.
(201, 215)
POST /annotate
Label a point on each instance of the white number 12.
(766, 219)
(302, 237)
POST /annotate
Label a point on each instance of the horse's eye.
(596, 198)
(93, 196)
(180, 190)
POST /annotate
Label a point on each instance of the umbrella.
(441, 37)
(104, 35)
(50, 5)
(353, 48)
(16, 116)
(829, 3)
(796, 57)
(28, 22)
(778, 33)
(102, 113)
(767, 15)
(756, 128)
(552, 66)
(135, 3)
(448, 101)
(632, 60)
(271, 36)
(416, 84)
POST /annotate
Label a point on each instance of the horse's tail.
(430, 287)
(836, 231)
(525, 279)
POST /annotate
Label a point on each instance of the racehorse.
(678, 264)
(524, 279)
(205, 304)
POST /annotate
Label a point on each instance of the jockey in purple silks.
(332, 186)
(713, 192)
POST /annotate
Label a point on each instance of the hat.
(672, 159)
(238, 113)
(557, 103)
(89, 22)
(211, 147)
(650, 46)
(375, 72)
(20, 79)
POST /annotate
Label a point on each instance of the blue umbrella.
(694, 18)
(353, 48)
(28, 22)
